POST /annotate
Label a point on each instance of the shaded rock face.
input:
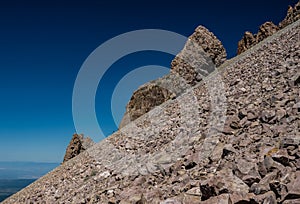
(143, 100)
(202, 51)
(249, 39)
(293, 14)
(77, 145)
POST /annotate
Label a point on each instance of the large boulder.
(202, 46)
(209, 43)
(265, 30)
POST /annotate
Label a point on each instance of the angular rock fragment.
(268, 197)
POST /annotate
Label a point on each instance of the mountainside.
(232, 138)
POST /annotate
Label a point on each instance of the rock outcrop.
(268, 29)
(249, 39)
(77, 145)
(293, 14)
(178, 154)
(246, 42)
(265, 30)
(189, 66)
(210, 44)
(188, 60)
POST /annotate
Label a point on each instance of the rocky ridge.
(249, 39)
(293, 14)
(267, 29)
(173, 153)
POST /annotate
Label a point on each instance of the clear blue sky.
(44, 43)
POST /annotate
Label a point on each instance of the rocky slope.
(147, 97)
(183, 74)
(267, 29)
(233, 138)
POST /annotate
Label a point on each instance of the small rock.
(258, 188)
(194, 191)
(266, 116)
(294, 187)
(268, 197)
(238, 197)
(282, 157)
(251, 115)
(222, 199)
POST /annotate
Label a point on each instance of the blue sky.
(43, 45)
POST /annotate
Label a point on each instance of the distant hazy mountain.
(25, 170)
